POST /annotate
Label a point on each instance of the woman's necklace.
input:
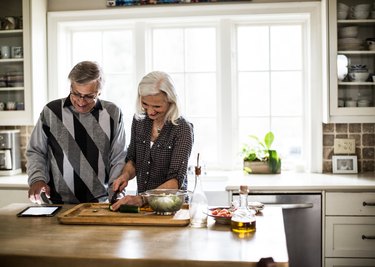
(158, 127)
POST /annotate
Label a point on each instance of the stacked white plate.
(350, 43)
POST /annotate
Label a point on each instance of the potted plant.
(258, 156)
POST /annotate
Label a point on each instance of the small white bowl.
(363, 103)
(342, 14)
(358, 76)
(342, 7)
(362, 7)
(361, 14)
(348, 32)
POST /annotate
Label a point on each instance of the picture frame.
(344, 164)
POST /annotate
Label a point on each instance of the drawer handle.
(368, 237)
(368, 203)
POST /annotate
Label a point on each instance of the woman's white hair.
(152, 84)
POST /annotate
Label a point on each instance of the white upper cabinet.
(352, 60)
(23, 75)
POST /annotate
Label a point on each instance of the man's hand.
(35, 191)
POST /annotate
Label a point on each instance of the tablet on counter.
(39, 211)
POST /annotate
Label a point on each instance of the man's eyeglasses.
(87, 98)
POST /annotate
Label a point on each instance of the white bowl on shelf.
(363, 103)
(350, 103)
(342, 14)
(361, 14)
(362, 7)
(348, 32)
(342, 7)
(358, 76)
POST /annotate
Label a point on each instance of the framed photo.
(344, 164)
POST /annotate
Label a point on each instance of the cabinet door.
(350, 237)
(352, 65)
(23, 76)
(334, 262)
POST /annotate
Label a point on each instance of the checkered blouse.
(167, 158)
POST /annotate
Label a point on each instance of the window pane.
(118, 51)
(253, 94)
(168, 50)
(200, 49)
(201, 95)
(252, 126)
(286, 93)
(205, 141)
(253, 48)
(286, 47)
(86, 46)
(288, 137)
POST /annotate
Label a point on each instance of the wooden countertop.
(45, 242)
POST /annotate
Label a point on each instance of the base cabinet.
(349, 262)
(350, 229)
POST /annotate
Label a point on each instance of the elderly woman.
(161, 141)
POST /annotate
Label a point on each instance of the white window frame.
(58, 22)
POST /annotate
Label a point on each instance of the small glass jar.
(243, 219)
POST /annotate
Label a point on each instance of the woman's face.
(156, 106)
(84, 96)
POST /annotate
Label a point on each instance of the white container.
(358, 76)
(342, 7)
(361, 14)
(350, 103)
(362, 7)
(5, 51)
(348, 32)
(342, 14)
(363, 103)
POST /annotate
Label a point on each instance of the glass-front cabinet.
(12, 90)
(352, 60)
(22, 60)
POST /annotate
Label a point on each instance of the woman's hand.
(120, 183)
(128, 200)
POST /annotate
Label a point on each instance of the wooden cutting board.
(99, 214)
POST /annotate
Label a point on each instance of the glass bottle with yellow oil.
(243, 219)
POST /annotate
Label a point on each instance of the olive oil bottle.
(198, 206)
(243, 219)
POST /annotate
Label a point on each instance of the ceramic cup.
(5, 51)
(11, 105)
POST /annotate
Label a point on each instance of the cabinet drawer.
(350, 203)
(332, 262)
(344, 237)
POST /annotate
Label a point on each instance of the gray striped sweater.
(77, 154)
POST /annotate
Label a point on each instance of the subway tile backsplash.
(363, 133)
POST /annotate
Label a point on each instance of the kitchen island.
(44, 241)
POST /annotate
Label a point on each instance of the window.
(236, 72)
